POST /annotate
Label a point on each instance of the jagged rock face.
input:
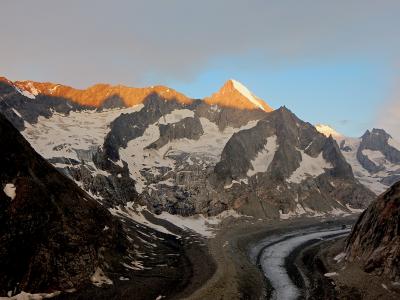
(288, 167)
(131, 126)
(375, 239)
(51, 232)
(196, 156)
(377, 140)
(189, 128)
(375, 159)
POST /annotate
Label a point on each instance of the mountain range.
(158, 148)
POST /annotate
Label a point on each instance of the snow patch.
(331, 274)
(25, 93)
(16, 112)
(339, 257)
(136, 215)
(354, 210)
(394, 143)
(135, 265)
(240, 181)
(199, 223)
(10, 190)
(99, 278)
(309, 166)
(122, 278)
(176, 116)
(264, 158)
(28, 296)
(376, 157)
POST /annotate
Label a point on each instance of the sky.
(332, 62)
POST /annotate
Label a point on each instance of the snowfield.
(60, 135)
(10, 190)
(309, 166)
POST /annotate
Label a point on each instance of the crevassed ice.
(273, 263)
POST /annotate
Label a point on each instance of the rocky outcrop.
(189, 128)
(375, 158)
(289, 167)
(130, 126)
(374, 242)
(377, 140)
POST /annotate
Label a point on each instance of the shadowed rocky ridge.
(374, 242)
(51, 231)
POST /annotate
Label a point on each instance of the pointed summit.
(236, 95)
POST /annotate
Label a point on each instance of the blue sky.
(344, 93)
(331, 62)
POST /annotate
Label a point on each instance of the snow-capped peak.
(234, 94)
(245, 92)
(328, 130)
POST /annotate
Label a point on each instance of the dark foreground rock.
(53, 235)
(375, 240)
